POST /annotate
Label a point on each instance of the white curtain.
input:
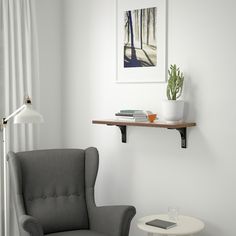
(18, 71)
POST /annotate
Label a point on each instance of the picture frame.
(141, 41)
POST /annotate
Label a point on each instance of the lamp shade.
(28, 115)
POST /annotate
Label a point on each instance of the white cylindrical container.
(173, 110)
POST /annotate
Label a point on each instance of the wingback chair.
(54, 195)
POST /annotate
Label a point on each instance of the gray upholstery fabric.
(31, 225)
(54, 192)
(54, 189)
(77, 233)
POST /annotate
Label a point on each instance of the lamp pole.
(5, 172)
(5, 181)
(25, 115)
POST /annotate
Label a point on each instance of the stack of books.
(132, 115)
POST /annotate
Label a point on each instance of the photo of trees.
(140, 49)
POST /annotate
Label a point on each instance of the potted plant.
(173, 109)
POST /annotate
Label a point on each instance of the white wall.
(151, 171)
(49, 34)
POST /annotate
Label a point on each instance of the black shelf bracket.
(123, 130)
(182, 131)
(183, 134)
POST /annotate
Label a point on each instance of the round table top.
(185, 225)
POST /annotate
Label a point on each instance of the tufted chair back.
(51, 184)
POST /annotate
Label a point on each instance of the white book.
(132, 119)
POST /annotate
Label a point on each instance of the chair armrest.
(112, 220)
(30, 225)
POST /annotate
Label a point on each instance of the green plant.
(175, 83)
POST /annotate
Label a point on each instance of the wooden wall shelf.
(180, 126)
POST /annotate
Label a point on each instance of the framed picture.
(141, 41)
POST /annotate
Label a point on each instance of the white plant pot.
(173, 110)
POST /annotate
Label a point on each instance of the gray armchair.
(54, 195)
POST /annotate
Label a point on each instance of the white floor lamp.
(23, 115)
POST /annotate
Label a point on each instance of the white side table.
(186, 225)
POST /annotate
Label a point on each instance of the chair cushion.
(77, 233)
(54, 188)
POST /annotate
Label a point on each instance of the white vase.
(173, 110)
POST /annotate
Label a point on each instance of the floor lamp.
(23, 115)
